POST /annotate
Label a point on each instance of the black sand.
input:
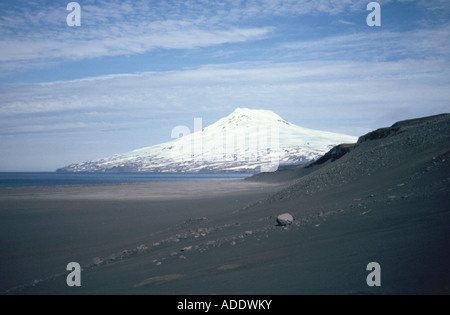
(385, 201)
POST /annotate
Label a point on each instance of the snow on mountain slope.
(247, 140)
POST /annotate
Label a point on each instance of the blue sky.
(133, 70)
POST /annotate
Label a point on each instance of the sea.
(12, 179)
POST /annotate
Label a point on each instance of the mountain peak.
(245, 140)
(240, 111)
(241, 117)
(245, 110)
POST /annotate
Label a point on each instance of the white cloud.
(375, 46)
(18, 129)
(34, 34)
(346, 22)
(329, 90)
(364, 73)
(123, 42)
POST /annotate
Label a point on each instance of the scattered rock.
(142, 249)
(285, 219)
(186, 249)
(233, 243)
(113, 257)
(97, 261)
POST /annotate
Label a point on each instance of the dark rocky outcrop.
(336, 153)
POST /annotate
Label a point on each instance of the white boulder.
(285, 219)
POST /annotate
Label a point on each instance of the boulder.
(285, 219)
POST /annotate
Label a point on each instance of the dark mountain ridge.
(403, 141)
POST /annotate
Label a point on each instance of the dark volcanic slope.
(383, 149)
(408, 148)
(385, 199)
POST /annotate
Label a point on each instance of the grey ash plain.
(384, 199)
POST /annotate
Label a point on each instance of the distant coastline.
(27, 179)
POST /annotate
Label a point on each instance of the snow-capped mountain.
(247, 140)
